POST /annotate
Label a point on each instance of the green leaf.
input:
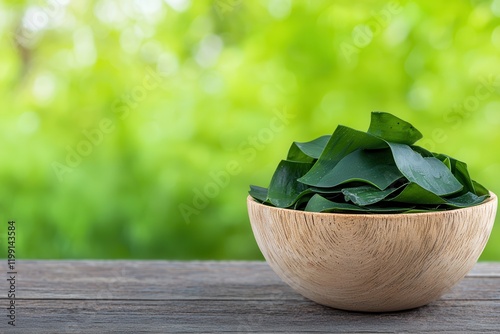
(320, 204)
(258, 193)
(393, 129)
(376, 172)
(459, 169)
(343, 141)
(465, 200)
(375, 167)
(480, 190)
(367, 195)
(284, 189)
(332, 190)
(427, 172)
(308, 151)
(415, 194)
(422, 151)
(302, 201)
(447, 163)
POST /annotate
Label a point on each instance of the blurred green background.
(132, 129)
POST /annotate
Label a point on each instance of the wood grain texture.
(372, 263)
(221, 297)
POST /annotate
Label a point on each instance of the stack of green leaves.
(378, 171)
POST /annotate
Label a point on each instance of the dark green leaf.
(465, 200)
(443, 158)
(459, 169)
(480, 190)
(367, 195)
(343, 141)
(447, 163)
(332, 190)
(375, 167)
(320, 204)
(422, 151)
(308, 151)
(393, 129)
(415, 194)
(284, 189)
(376, 172)
(428, 172)
(302, 201)
(258, 193)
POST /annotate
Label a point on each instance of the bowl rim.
(490, 200)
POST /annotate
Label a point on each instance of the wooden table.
(215, 297)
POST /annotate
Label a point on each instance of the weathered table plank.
(214, 297)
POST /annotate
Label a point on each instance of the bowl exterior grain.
(372, 263)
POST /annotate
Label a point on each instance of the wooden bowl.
(372, 262)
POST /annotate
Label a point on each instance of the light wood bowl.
(372, 262)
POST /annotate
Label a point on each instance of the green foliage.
(202, 96)
(394, 177)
